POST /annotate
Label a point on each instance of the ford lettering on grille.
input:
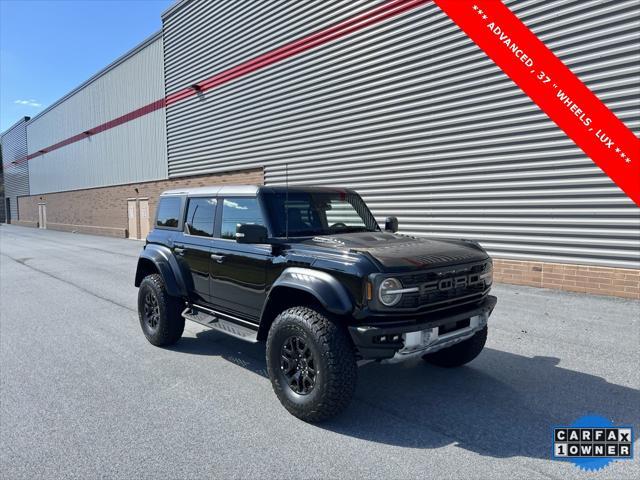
(460, 281)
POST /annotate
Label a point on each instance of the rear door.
(193, 248)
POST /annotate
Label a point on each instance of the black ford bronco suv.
(309, 271)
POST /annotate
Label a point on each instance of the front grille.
(418, 278)
(439, 286)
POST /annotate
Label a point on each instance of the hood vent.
(329, 240)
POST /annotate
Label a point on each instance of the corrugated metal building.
(3, 216)
(407, 110)
(134, 151)
(15, 167)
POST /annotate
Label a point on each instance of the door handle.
(217, 258)
(178, 251)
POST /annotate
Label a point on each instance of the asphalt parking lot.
(84, 395)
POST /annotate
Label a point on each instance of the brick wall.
(619, 282)
(103, 210)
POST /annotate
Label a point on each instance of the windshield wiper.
(307, 233)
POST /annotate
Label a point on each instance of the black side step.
(222, 322)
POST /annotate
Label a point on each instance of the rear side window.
(238, 211)
(169, 212)
(200, 215)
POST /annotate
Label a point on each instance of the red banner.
(550, 84)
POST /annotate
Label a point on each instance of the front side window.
(169, 212)
(200, 215)
(318, 213)
(343, 214)
(238, 211)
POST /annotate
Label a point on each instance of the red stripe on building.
(127, 117)
(368, 18)
(316, 39)
(463, 12)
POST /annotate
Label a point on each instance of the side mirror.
(248, 233)
(391, 224)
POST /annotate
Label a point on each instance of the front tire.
(460, 353)
(311, 364)
(159, 312)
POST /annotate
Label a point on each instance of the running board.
(217, 321)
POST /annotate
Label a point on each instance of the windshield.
(317, 213)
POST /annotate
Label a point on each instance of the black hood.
(394, 251)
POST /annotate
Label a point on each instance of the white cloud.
(235, 205)
(31, 103)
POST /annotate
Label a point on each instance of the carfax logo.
(592, 442)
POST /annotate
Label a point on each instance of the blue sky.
(49, 47)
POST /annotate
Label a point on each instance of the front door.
(132, 216)
(8, 210)
(194, 246)
(238, 271)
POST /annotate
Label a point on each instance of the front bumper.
(440, 330)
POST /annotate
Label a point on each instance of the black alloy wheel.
(298, 365)
(159, 313)
(151, 311)
(311, 363)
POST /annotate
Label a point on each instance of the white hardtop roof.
(249, 190)
(215, 190)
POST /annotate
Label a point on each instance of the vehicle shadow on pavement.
(250, 356)
(501, 405)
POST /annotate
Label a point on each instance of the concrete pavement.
(84, 395)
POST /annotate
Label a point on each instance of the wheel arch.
(304, 287)
(159, 259)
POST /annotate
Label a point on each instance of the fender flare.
(167, 266)
(327, 289)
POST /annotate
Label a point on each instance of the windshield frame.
(370, 223)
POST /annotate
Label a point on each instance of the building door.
(144, 217)
(8, 210)
(42, 215)
(132, 213)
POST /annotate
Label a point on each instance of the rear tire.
(460, 353)
(159, 312)
(311, 364)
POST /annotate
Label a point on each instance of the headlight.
(488, 276)
(390, 292)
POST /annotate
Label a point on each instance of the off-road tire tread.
(171, 324)
(460, 353)
(341, 377)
